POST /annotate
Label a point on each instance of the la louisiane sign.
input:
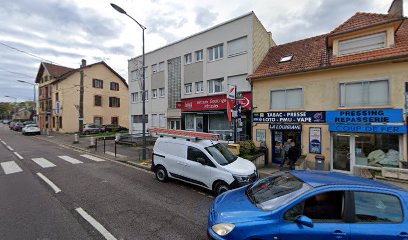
(290, 117)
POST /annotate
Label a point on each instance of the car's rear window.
(276, 190)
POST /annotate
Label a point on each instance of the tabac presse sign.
(290, 117)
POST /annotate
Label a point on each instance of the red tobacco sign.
(209, 103)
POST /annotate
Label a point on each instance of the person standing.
(293, 155)
(286, 148)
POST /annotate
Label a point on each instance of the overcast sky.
(65, 31)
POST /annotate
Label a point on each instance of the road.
(48, 191)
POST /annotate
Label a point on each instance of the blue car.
(311, 205)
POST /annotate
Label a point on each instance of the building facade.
(341, 95)
(187, 81)
(105, 97)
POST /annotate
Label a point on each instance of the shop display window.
(377, 150)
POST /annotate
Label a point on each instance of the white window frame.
(154, 93)
(359, 40)
(188, 58)
(216, 49)
(161, 66)
(199, 55)
(198, 88)
(162, 92)
(135, 97)
(285, 107)
(212, 82)
(188, 88)
(342, 103)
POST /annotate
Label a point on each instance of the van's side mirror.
(202, 161)
(303, 220)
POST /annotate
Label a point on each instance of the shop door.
(199, 123)
(341, 153)
(278, 154)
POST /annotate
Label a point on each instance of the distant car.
(6, 122)
(11, 125)
(18, 126)
(31, 129)
(113, 128)
(91, 129)
(28, 122)
(311, 205)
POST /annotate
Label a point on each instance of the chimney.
(83, 63)
(396, 8)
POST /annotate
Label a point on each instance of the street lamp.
(119, 9)
(35, 103)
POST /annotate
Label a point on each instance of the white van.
(204, 163)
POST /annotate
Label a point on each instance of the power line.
(27, 53)
(21, 74)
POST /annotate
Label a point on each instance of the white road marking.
(93, 158)
(117, 154)
(10, 148)
(48, 181)
(3, 142)
(95, 224)
(70, 159)
(10, 167)
(18, 155)
(44, 163)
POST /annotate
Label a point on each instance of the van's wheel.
(220, 188)
(161, 174)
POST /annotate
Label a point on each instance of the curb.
(138, 165)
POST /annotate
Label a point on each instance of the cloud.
(205, 17)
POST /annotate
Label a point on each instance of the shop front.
(284, 126)
(209, 114)
(369, 138)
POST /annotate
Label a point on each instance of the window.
(154, 68)
(114, 86)
(362, 44)
(115, 120)
(161, 92)
(134, 75)
(162, 121)
(188, 88)
(174, 124)
(215, 85)
(187, 58)
(98, 121)
(368, 93)
(287, 99)
(135, 97)
(323, 207)
(98, 100)
(199, 87)
(60, 122)
(377, 208)
(56, 97)
(237, 46)
(97, 83)
(194, 153)
(139, 119)
(286, 58)
(154, 93)
(199, 55)
(189, 122)
(114, 102)
(216, 52)
(155, 120)
(161, 66)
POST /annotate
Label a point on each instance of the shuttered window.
(237, 46)
(287, 99)
(362, 44)
(368, 93)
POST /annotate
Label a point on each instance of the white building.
(186, 81)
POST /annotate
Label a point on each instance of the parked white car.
(31, 129)
(204, 163)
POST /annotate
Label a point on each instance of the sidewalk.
(124, 153)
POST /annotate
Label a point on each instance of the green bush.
(247, 148)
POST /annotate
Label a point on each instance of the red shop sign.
(210, 103)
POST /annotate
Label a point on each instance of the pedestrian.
(293, 155)
(286, 148)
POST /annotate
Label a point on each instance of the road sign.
(57, 107)
(231, 91)
(239, 95)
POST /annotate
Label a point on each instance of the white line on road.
(95, 224)
(70, 159)
(48, 181)
(10, 148)
(3, 142)
(10, 167)
(44, 163)
(96, 159)
(18, 155)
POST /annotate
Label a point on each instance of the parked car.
(31, 129)
(11, 125)
(311, 205)
(28, 122)
(113, 128)
(91, 129)
(205, 163)
(6, 122)
(18, 126)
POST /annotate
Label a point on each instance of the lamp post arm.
(140, 25)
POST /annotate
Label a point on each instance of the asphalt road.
(89, 199)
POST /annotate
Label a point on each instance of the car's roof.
(321, 178)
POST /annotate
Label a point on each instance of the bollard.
(96, 144)
(104, 144)
(117, 137)
(76, 140)
(115, 148)
(92, 142)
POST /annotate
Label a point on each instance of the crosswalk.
(11, 167)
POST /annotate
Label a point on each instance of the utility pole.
(81, 96)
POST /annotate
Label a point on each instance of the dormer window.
(362, 44)
(286, 58)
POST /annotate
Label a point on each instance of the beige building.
(105, 97)
(342, 95)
